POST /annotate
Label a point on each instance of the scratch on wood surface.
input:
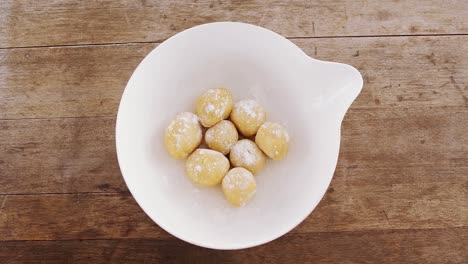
(3, 203)
(459, 88)
(262, 17)
(345, 13)
(431, 58)
(126, 17)
(386, 216)
(313, 28)
(4, 56)
(444, 84)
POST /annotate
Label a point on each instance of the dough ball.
(248, 116)
(222, 136)
(239, 186)
(245, 153)
(206, 167)
(183, 135)
(213, 106)
(273, 139)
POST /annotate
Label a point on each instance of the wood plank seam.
(115, 116)
(290, 38)
(173, 238)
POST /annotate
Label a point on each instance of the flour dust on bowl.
(308, 96)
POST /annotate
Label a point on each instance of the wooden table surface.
(399, 193)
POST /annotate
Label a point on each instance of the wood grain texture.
(59, 156)
(89, 81)
(78, 154)
(402, 137)
(399, 246)
(73, 81)
(80, 216)
(392, 198)
(46, 23)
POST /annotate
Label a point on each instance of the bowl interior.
(253, 63)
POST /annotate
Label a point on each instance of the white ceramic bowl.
(310, 97)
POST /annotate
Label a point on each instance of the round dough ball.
(273, 139)
(206, 167)
(222, 136)
(239, 186)
(183, 135)
(245, 153)
(213, 106)
(248, 116)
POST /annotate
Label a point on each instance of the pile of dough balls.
(232, 138)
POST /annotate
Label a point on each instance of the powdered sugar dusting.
(183, 124)
(221, 136)
(209, 108)
(251, 108)
(188, 118)
(278, 130)
(212, 91)
(171, 125)
(214, 104)
(245, 151)
(205, 161)
(238, 179)
(240, 182)
(219, 112)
